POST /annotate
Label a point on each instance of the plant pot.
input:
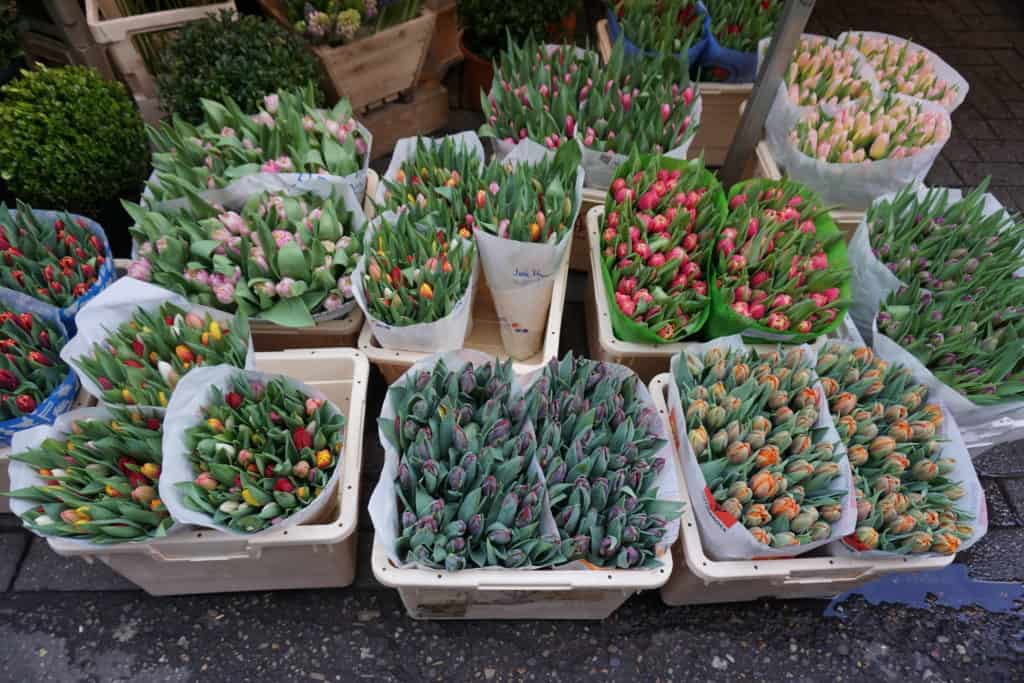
(562, 31)
(379, 66)
(477, 75)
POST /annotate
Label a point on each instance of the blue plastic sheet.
(693, 55)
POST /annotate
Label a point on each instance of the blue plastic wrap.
(693, 55)
(62, 397)
(727, 65)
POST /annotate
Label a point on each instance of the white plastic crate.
(484, 334)
(697, 579)
(320, 555)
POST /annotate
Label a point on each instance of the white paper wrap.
(405, 149)
(447, 334)
(784, 113)
(871, 281)
(942, 69)
(973, 502)
(115, 306)
(185, 410)
(981, 426)
(854, 186)
(237, 191)
(521, 275)
(383, 505)
(23, 476)
(725, 538)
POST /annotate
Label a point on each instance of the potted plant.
(371, 50)
(486, 26)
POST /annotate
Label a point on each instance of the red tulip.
(301, 438)
(233, 399)
(8, 382)
(25, 403)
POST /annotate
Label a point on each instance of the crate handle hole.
(610, 577)
(755, 566)
(285, 533)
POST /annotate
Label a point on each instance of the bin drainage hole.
(285, 533)
(755, 566)
(831, 562)
(199, 535)
(609, 577)
(439, 576)
(350, 487)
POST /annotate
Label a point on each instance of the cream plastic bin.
(485, 334)
(320, 555)
(846, 221)
(697, 579)
(579, 258)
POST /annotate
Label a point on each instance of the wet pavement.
(64, 620)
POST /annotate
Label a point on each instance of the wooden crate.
(720, 110)
(444, 47)
(343, 332)
(579, 257)
(381, 66)
(56, 34)
(425, 112)
(485, 334)
(109, 28)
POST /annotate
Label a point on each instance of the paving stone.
(45, 570)
(12, 548)
(1002, 459)
(9, 522)
(1012, 61)
(959, 148)
(1002, 173)
(1009, 129)
(1014, 491)
(989, 559)
(959, 57)
(942, 174)
(1000, 513)
(999, 150)
(1009, 196)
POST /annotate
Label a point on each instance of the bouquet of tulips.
(763, 463)
(917, 491)
(659, 224)
(285, 259)
(411, 277)
(938, 238)
(740, 24)
(638, 103)
(261, 451)
(824, 72)
(35, 384)
(780, 265)
(903, 67)
(138, 355)
(59, 259)
(664, 26)
(91, 476)
(601, 446)
(461, 468)
(233, 155)
(435, 180)
(888, 128)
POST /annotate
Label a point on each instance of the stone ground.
(64, 620)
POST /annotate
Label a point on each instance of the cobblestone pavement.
(64, 620)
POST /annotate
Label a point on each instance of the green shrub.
(70, 139)
(486, 21)
(9, 48)
(244, 59)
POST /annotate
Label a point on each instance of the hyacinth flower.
(741, 24)
(641, 103)
(329, 22)
(902, 68)
(657, 232)
(415, 275)
(538, 95)
(600, 451)
(288, 135)
(885, 128)
(99, 481)
(824, 73)
(940, 242)
(466, 494)
(262, 452)
(282, 258)
(56, 262)
(141, 361)
(30, 364)
(968, 335)
(751, 421)
(778, 266)
(528, 202)
(665, 26)
(906, 500)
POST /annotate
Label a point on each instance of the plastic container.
(846, 221)
(484, 334)
(83, 400)
(697, 579)
(318, 555)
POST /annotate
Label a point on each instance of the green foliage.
(221, 57)
(9, 48)
(486, 22)
(70, 139)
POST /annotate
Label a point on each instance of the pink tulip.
(781, 300)
(758, 296)
(759, 278)
(777, 321)
(676, 253)
(627, 285)
(737, 201)
(656, 260)
(756, 311)
(741, 308)
(741, 293)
